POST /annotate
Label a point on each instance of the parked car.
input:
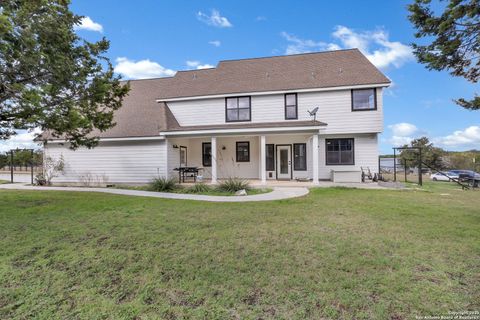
(444, 176)
(466, 174)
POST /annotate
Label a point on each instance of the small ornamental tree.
(431, 155)
(51, 168)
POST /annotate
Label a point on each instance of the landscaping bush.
(199, 188)
(163, 184)
(233, 185)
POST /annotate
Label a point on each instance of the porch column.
(263, 166)
(214, 160)
(315, 158)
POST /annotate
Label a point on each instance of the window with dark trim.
(299, 156)
(206, 154)
(270, 157)
(238, 109)
(243, 151)
(339, 151)
(291, 106)
(364, 99)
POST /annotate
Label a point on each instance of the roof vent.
(340, 70)
(267, 75)
(194, 76)
(313, 75)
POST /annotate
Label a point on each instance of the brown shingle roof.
(300, 71)
(142, 116)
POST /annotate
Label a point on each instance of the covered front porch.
(260, 157)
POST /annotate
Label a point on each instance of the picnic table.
(187, 172)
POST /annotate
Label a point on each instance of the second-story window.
(364, 99)
(237, 109)
(291, 106)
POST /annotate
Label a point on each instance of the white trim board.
(115, 139)
(309, 129)
(261, 93)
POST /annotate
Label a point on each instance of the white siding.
(334, 109)
(291, 139)
(226, 155)
(139, 162)
(198, 112)
(227, 166)
(366, 154)
(112, 162)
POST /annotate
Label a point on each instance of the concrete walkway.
(278, 193)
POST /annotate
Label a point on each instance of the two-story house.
(248, 118)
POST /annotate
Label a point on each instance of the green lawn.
(336, 253)
(185, 189)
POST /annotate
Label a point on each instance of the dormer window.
(291, 106)
(364, 99)
(237, 109)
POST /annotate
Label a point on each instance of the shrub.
(199, 188)
(163, 184)
(51, 168)
(233, 185)
(40, 179)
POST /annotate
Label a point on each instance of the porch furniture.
(187, 172)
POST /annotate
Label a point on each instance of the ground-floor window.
(243, 151)
(207, 154)
(270, 157)
(340, 151)
(299, 156)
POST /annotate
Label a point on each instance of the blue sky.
(157, 38)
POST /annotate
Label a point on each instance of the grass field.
(334, 254)
(185, 189)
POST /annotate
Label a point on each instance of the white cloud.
(198, 65)
(86, 23)
(23, 140)
(467, 138)
(142, 69)
(350, 39)
(261, 18)
(214, 19)
(215, 43)
(403, 129)
(374, 44)
(403, 133)
(398, 141)
(298, 45)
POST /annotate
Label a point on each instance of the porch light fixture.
(224, 148)
(175, 146)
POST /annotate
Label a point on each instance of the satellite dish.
(313, 113)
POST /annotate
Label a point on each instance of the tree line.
(439, 158)
(21, 159)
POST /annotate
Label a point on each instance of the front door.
(284, 162)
